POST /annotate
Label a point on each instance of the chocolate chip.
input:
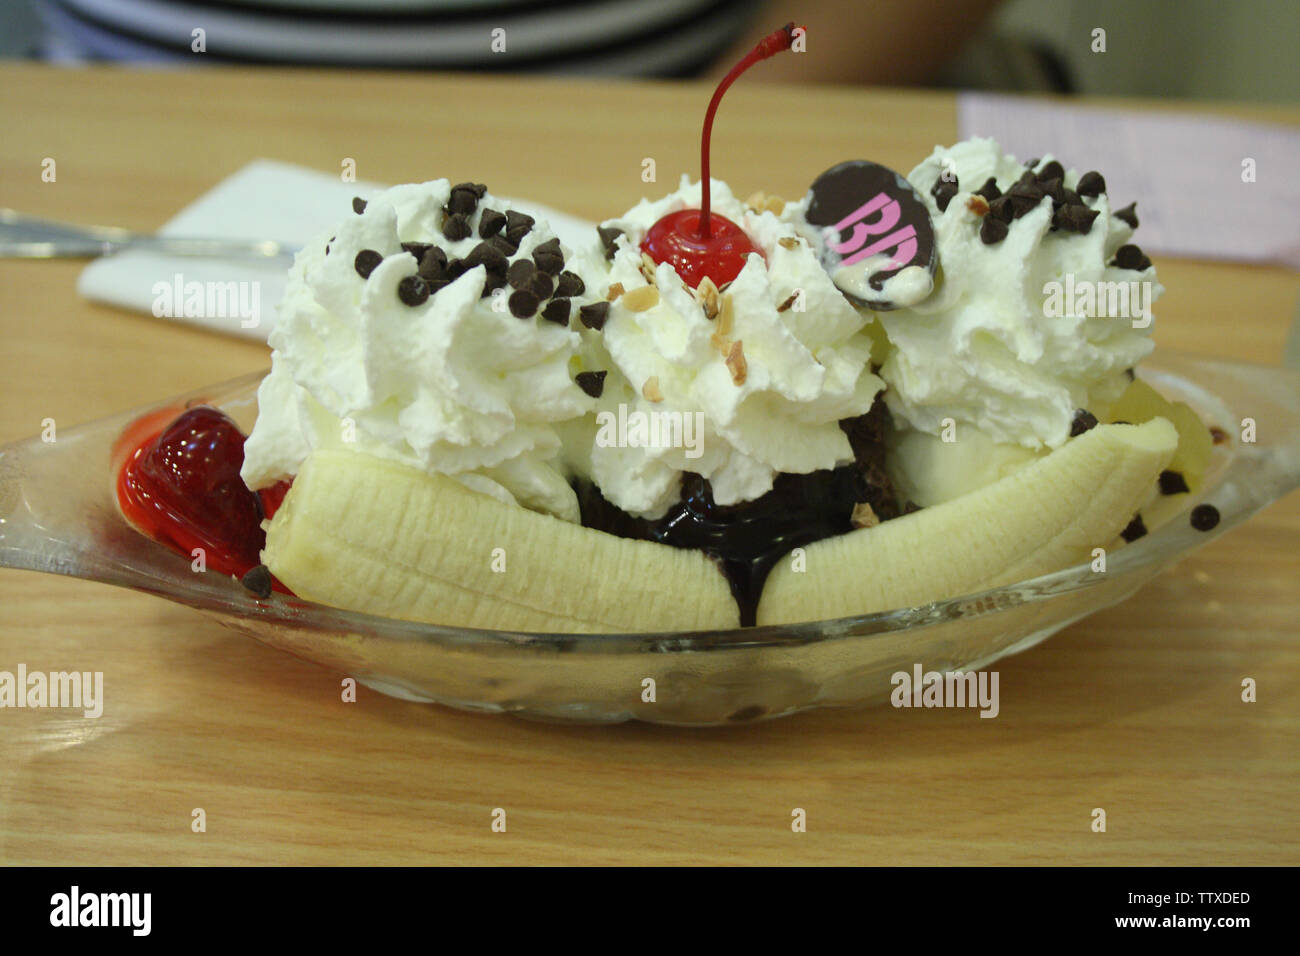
(1052, 170)
(607, 236)
(1056, 189)
(1074, 218)
(517, 225)
(548, 257)
(464, 198)
(593, 316)
(436, 285)
(507, 247)
(1128, 214)
(417, 249)
(557, 311)
(992, 230)
(520, 271)
(492, 282)
(488, 256)
(1024, 197)
(569, 284)
(1130, 256)
(258, 579)
(1001, 208)
(413, 291)
(523, 304)
(455, 269)
(1084, 421)
(541, 285)
(1173, 483)
(366, 261)
(593, 383)
(455, 227)
(1027, 178)
(943, 190)
(358, 205)
(1091, 184)
(490, 223)
(989, 190)
(1205, 517)
(1134, 529)
(433, 264)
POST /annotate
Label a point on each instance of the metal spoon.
(25, 237)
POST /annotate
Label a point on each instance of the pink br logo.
(902, 241)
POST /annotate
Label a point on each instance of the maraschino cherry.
(699, 243)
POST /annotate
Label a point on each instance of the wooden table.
(1136, 710)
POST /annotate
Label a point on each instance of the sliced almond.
(789, 242)
(978, 205)
(791, 300)
(638, 300)
(707, 293)
(863, 516)
(650, 390)
(756, 201)
(720, 343)
(615, 290)
(648, 267)
(736, 363)
(726, 316)
(775, 205)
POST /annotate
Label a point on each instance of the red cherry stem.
(770, 45)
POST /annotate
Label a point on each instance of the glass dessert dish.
(59, 514)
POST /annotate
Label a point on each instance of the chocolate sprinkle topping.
(569, 284)
(1134, 530)
(358, 205)
(594, 316)
(1204, 517)
(1084, 421)
(1128, 214)
(992, 230)
(593, 383)
(456, 227)
(413, 291)
(1131, 257)
(1173, 483)
(490, 223)
(258, 579)
(366, 261)
(548, 257)
(607, 236)
(1091, 184)
(557, 311)
(523, 304)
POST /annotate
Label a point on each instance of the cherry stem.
(770, 45)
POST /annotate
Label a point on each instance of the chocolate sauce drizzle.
(746, 540)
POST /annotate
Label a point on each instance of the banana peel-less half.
(1049, 515)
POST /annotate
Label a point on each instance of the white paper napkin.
(264, 200)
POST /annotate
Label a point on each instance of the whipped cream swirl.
(987, 348)
(455, 384)
(769, 391)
